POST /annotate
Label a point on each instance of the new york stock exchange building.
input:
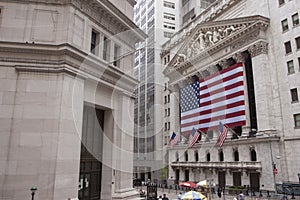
(240, 61)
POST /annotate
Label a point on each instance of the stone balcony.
(234, 166)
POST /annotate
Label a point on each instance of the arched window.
(196, 156)
(208, 157)
(253, 155)
(221, 156)
(177, 157)
(236, 155)
(186, 156)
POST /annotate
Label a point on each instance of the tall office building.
(240, 60)
(159, 19)
(66, 94)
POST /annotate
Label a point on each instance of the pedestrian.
(165, 197)
(179, 195)
(159, 198)
(242, 196)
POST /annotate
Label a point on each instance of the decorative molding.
(258, 48)
(212, 37)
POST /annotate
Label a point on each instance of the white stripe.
(214, 123)
(222, 76)
(221, 85)
(214, 114)
(221, 94)
(214, 105)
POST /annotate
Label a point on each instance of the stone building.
(264, 38)
(66, 98)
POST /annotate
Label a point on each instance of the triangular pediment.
(208, 37)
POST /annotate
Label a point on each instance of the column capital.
(258, 48)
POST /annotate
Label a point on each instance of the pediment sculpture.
(207, 37)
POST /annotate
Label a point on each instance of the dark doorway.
(222, 179)
(237, 181)
(186, 175)
(254, 181)
(91, 154)
(177, 176)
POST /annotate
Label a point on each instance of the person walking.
(165, 197)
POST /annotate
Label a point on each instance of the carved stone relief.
(258, 48)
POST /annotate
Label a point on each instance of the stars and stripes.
(223, 129)
(173, 139)
(218, 97)
(194, 137)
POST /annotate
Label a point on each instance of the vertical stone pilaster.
(123, 149)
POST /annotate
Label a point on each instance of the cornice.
(61, 56)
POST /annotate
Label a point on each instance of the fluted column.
(262, 84)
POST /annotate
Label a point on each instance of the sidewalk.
(173, 195)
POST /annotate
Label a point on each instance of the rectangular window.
(106, 48)
(169, 25)
(297, 42)
(168, 111)
(295, 19)
(117, 50)
(94, 42)
(290, 66)
(281, 2)
(169, 16)
(169, 4)
(168, 34)
(169, 125)
(288, 47)
(297, 120)
(294, 95)
(284, 25)
(168, 98)
(166, 126)
(299, 63)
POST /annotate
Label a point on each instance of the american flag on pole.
(223, 129)
(217, 97)
(173, 139)
(194, 137)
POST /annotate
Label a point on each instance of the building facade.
(263, 37)
(67, 99)
(159, 19)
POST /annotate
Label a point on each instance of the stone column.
(262, 84)
(174, 105)
(123, 147)
(240, 58)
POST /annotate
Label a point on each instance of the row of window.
(168, 34)
(288, 46)
(167, 126)
(167, 112)
(169, 16)
(169, 4)
(167, 99)
(285, 23)
(253, 156)
(105, 48)
(169, 25)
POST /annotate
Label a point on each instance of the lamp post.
(33, 189)
(273, 166)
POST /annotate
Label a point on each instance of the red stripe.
(216, 118)
(217, 82)
(230, 115)
(223, 98)
(227, 106)
(204, 112)
(222, 72)
(222, 89)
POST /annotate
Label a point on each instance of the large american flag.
(219, 97)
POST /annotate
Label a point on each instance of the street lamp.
(33, 189)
